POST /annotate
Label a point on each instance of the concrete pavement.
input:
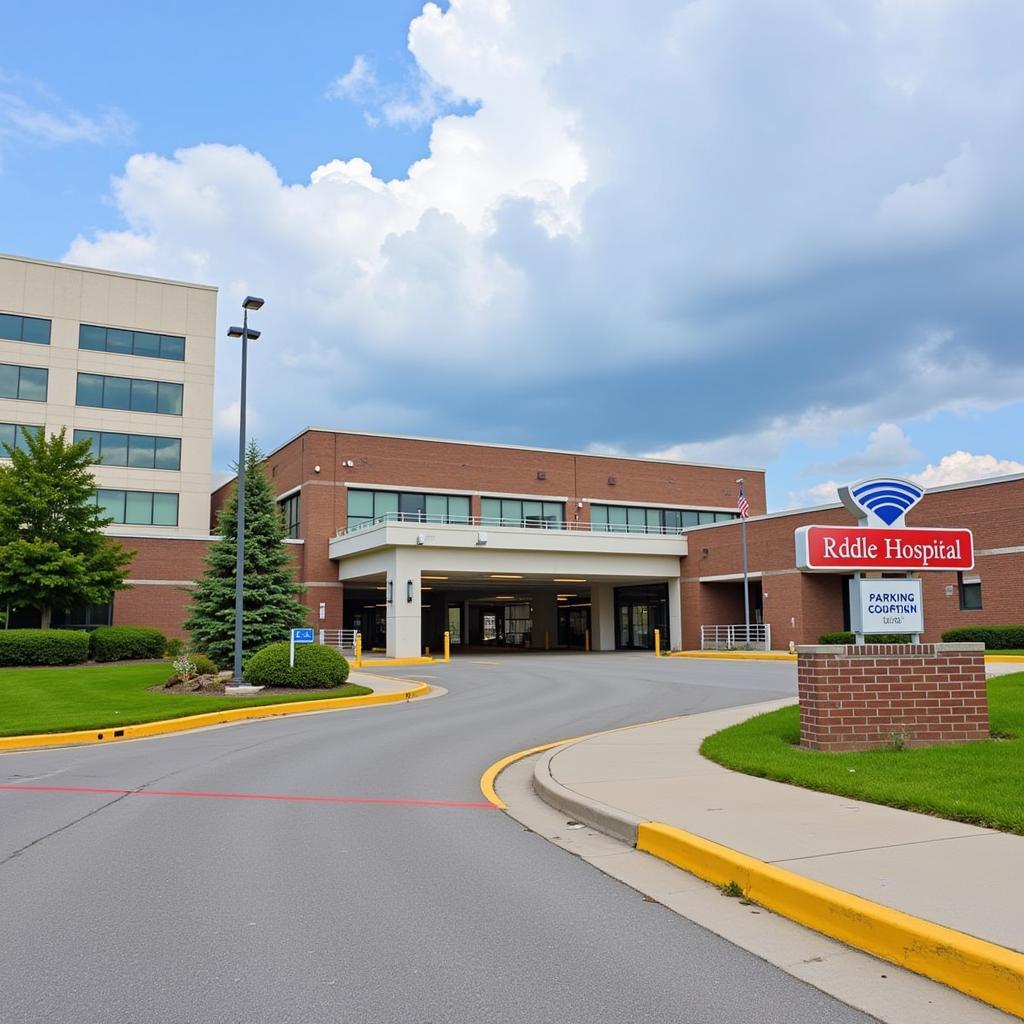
(956, 875)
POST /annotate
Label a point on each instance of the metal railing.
(343, 640)
(736, 638)
(524, 522)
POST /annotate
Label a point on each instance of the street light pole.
(741, 504)
(243, 332)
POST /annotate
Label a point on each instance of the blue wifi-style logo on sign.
(882, 501)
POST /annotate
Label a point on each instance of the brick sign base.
(891, 695)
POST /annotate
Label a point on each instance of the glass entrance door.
(639, 612)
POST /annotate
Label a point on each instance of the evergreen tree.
(53, 552)
(270, 602)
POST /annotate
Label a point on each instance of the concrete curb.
(226, 716)
(735, 655)
(984, 970)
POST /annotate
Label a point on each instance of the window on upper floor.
(129, 393)
(634, 519)
(131, 343)
(290, 514)
(522, 512)
(139, 508)
(13, 434)
(27, 383)
(24, 328)
(970, 592)
(138, 451)
(408, 506)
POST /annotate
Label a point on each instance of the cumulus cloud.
(888, 449)
(960, 467)
(700, 229)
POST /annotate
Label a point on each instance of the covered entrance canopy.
(508, 587)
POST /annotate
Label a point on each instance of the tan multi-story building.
(127, 362)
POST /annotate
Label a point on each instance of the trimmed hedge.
(995, 638)
(316, 667)
(847, 637)
(204, 665)
(43, 646)
(124, 643)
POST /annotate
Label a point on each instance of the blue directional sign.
(302, 636)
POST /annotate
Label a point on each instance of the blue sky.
(786, 234)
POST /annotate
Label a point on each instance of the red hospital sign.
(853, 548)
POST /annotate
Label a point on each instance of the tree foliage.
(53, 552)
(270, 604)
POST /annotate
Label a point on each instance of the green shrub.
(43, 646)
(122, 643)
(995, 638)
(204, 665)
(316, 667)
(847, 637)
(175, 646)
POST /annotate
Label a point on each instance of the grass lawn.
(93, 697)
(980, 783)
(1017, 652)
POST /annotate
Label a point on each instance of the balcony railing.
(525, 522)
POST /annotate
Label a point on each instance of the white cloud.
(960, 467)
(888, 449)
(654, 229)
(21, 118)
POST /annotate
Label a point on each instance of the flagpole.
(746, 569)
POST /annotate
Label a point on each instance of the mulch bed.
(213, 686)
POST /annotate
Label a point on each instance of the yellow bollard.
(447, 646)
(586, 639)
(657, 643)
(426, 650)
(359, 650)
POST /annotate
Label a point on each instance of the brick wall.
(868, 697)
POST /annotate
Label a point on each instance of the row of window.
(27, 383)
(13, 434)
(134, 343)
(24, 328)
(516, 512)
(141, 451)
(129, 393)
(139, 508)
(408, 506)
(630, 519)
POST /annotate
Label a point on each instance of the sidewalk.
(960, 876)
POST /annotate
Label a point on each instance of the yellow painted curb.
(736, 655)
(488, 777)
(391, 662)
(169, 725)
(981, 969)
(1006, 658)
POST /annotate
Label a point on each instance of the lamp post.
(246, 334)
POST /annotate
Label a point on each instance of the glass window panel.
(654, 520)
(138, 509)
(146, 344)
(119, 341)
(117, 393)
(93, 437)
(437, 508)
(172, 347)
(412, 506)
(511, 512)
(360, 503)
(8, 436)
(144, 395)
(616, 518)
(36, 330)
(723, 517)
(553, 512)
(94, 338)
(169, 399)
(8, 381)
(32, 385)
(90, 389)
(458, 508)
(705, 517)
(167, 453)
(533, 513)
(690, 518)
(10, 327)
(637, 520)
(165, 509)
(142, 451)
(114, 449)
(490, 508)
(23, 434)
(599, 518)
(385, 502)
(673, 519)
(112, 503)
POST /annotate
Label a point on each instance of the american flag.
(742, 505)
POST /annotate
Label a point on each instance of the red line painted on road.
(384, 801)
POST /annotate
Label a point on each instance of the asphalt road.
(209, 908)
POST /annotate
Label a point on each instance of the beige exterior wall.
(70, 296)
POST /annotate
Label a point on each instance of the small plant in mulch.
(194, 673)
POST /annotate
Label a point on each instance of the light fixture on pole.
(247, 334)
(744, 510)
